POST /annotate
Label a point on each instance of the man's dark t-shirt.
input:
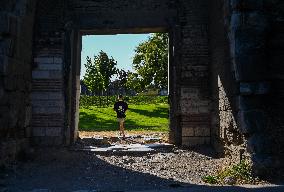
(120, 107)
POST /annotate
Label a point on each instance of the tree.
(107, 67)
(122, 78)
(151, 61)
(99, 72)
(134, 82)
(93, 79)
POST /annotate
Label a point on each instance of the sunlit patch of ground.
(164, 136)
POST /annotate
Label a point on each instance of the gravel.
(183, 166)
(64, 170)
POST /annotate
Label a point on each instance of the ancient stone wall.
(195, 98)
(226, 136)
(57, 67)
(251, 27)
(191, 58)
(16, 32)
(246, 81)
(48, 97)
(275, 74)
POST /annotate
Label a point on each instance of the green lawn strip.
(149, 117)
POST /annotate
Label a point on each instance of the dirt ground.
(87, 134)
(63, 169)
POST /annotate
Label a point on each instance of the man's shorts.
(120, 120)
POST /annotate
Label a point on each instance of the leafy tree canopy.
(99, 72)
(151, 61)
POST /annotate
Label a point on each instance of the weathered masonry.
(226, 70)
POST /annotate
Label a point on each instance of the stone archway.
(189, 63)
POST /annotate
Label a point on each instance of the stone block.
(240, 5)
(202, 131)
(204, 109)
(48, 67)
(262, 164)
(250, 20)
(56, 74)
(246, 89)
(58, 60)
(248, 54)
(259, 144)
(7, 47)
(189, 110)
(47, 110)
(55, 96)
(47, 103)
(48, 141)
(47, 96)
(4, 23)
(39, 96)
(245, 103)
(2, 92)
(4, 62)
(8, 24)
(39, 131)
(258, 88)
(10, 83)
(40, 75)
(195, 141)
(249, 67)
(28, 116)
(56, 123)
(40, 190)
(4, 117)
(189, 93)
(187, 131)
(252, 121)
(44, 60)
(53, 131)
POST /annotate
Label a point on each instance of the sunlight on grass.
(150, 117)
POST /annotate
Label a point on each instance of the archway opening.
(134, 66)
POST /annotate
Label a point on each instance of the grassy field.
(145, 117)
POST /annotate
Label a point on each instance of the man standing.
(120, 107)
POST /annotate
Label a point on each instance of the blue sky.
(120, 47)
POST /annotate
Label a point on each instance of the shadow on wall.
(63, 170)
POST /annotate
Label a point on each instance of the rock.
(160, 146)
(230, 180)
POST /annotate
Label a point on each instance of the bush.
(236, 174)
(104, 101)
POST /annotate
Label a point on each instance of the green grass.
(146, 117)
